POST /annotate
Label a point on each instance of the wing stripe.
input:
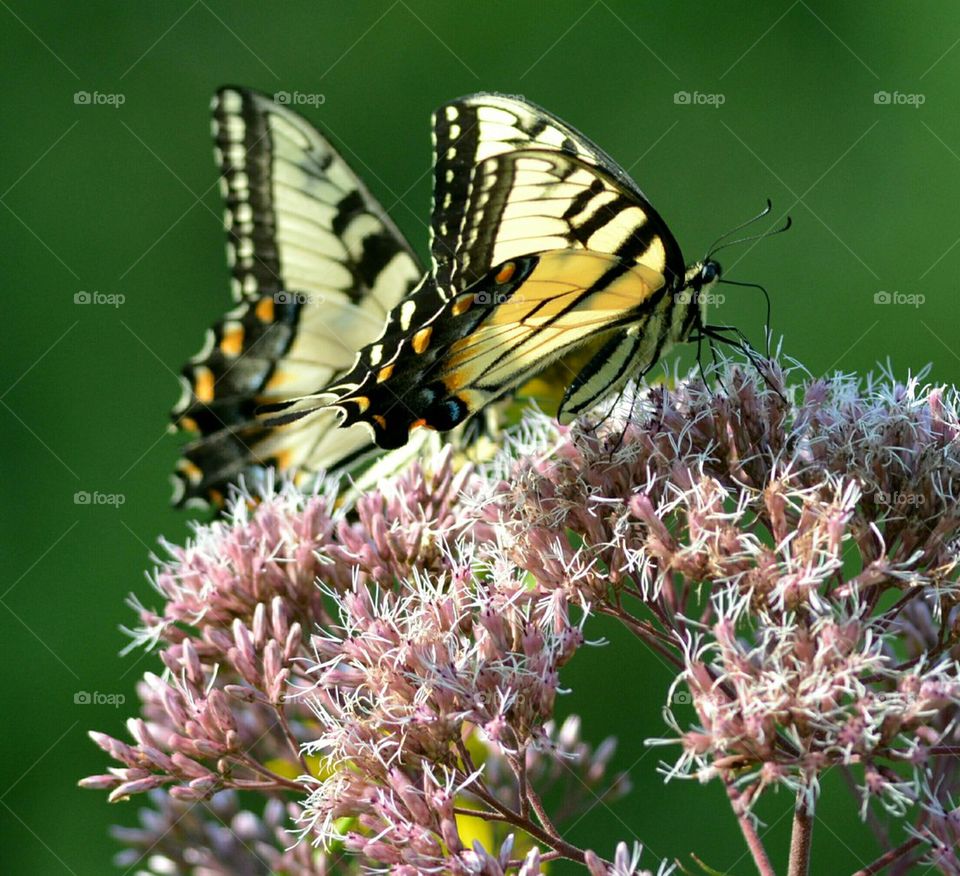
(621, 347)
(602, 217)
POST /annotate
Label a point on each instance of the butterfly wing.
(472, 218)
(316, 265)
(491, 337)
(611, 214)
(447, 352)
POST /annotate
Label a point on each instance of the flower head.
(392, 669)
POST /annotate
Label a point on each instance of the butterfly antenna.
(711, 249)
(763, 234)
(766, 296)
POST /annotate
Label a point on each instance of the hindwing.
(316, 265)
(485, 341)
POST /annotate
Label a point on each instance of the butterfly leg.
(703, 373)
(717, 332)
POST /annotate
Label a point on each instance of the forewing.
(470, 131)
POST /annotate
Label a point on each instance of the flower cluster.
(369, 675)
(386, 672)
(398, 683)
(783, 556)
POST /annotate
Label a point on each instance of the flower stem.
(887, 859)
(802, 837)
(545, 835)
(754, 843)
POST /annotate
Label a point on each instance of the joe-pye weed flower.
(388, 675)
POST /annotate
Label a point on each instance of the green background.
(123, 201)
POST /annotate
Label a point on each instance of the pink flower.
(392, 667)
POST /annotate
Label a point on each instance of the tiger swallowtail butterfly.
(546, 254)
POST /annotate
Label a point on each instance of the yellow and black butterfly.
(317, 265)
(544, 251)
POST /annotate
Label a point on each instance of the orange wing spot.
(384, 373)
(421, 340)
(189, 424)
(454, 382)
(284, 459)
(232, 341)
(193, 472)
(277, 380)
(506, 272)
(264, 309)
(420, 424)
(203, 384)
(462, 305)
(361, 401)
(380, 421)
(216, 497)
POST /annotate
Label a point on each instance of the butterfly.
(316, 266)
(545, 254)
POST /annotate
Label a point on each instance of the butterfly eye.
(505, 273)
(710, 271)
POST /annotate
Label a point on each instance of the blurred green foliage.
(845, 114)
